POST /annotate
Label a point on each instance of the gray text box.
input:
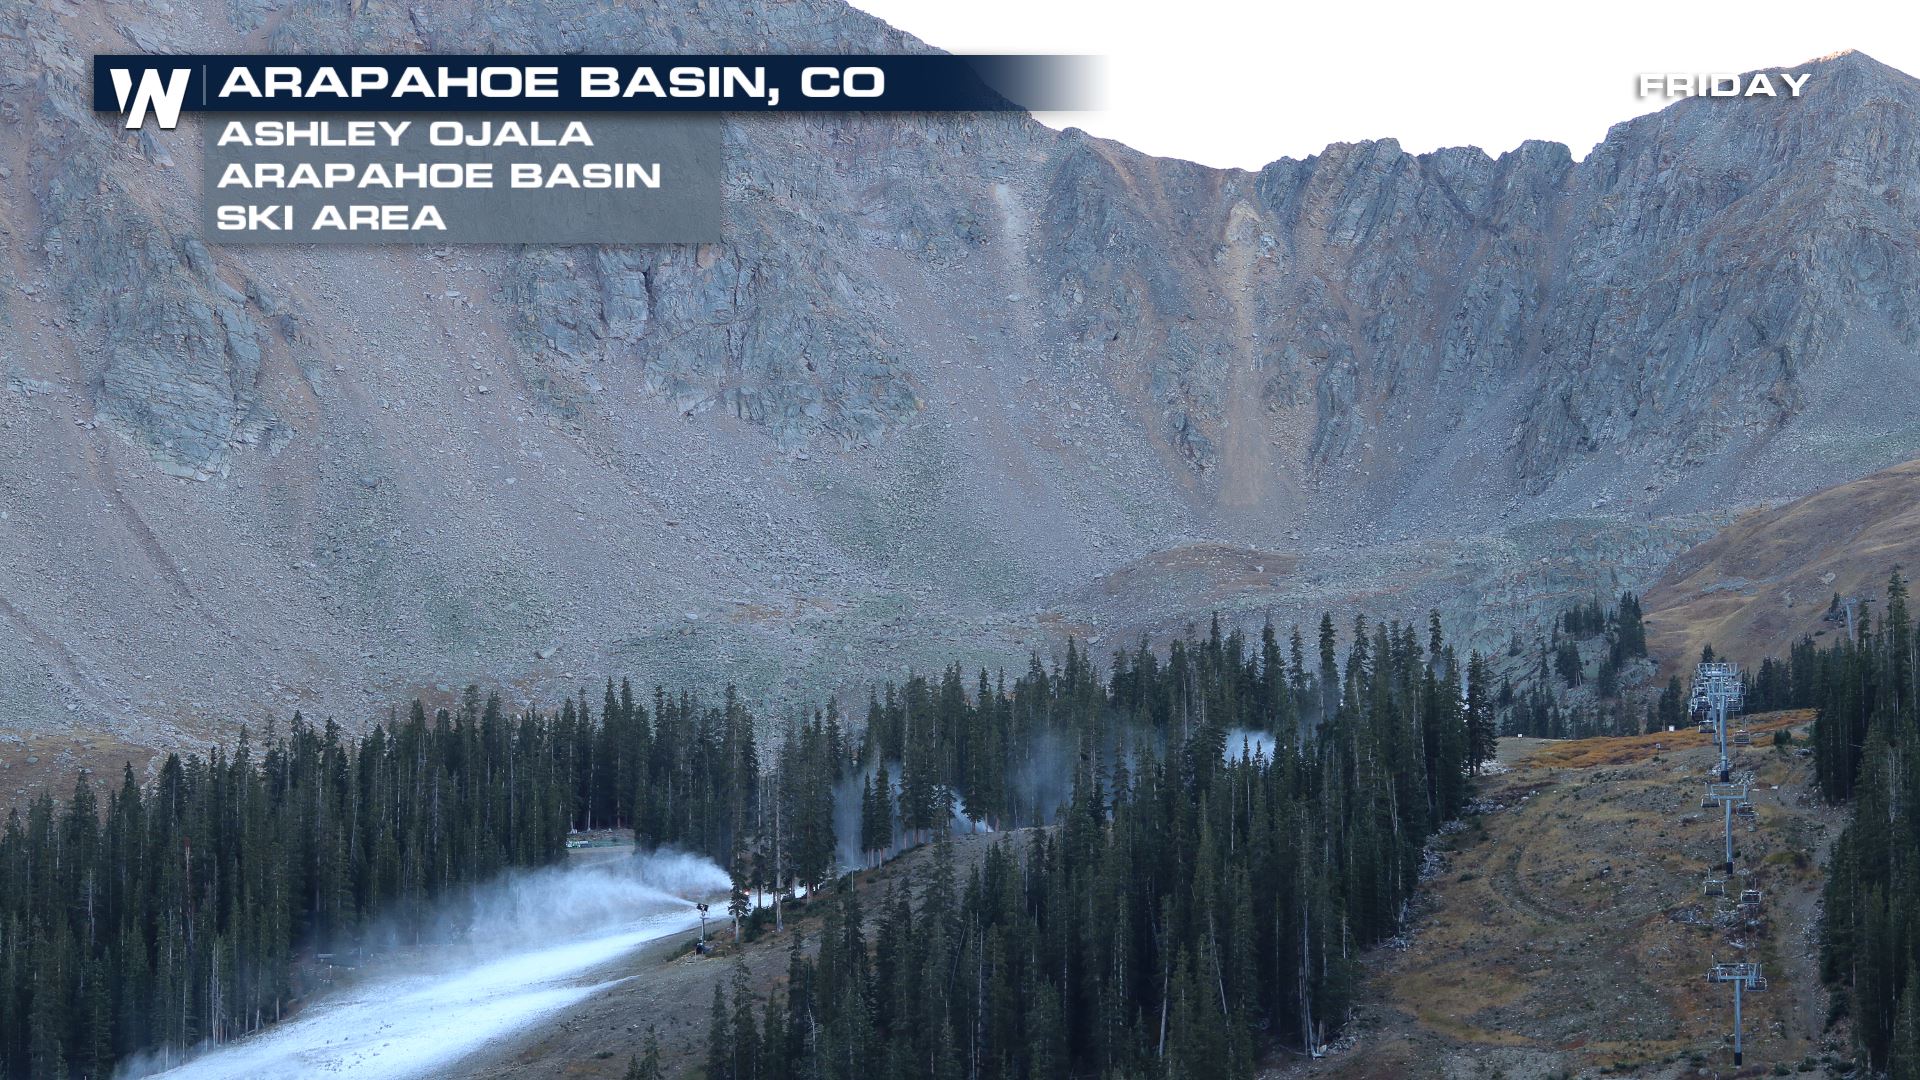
(642, 180)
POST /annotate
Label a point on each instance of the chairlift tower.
(1730, 797)
(1717, 687)
(1744, 977)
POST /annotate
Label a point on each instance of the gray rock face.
(942, 378)
(711, 328)
(177, 349)
(1666, 299)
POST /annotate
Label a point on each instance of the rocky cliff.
(947, 382)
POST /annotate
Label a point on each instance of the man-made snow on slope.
(535, 936)
(406, 1027)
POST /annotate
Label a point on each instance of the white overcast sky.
(1246, 82)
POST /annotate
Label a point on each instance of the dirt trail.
(1569, 933)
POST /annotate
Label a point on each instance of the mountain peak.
(1851, 68)
(1856, 60)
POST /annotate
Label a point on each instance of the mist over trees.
(1194, 905)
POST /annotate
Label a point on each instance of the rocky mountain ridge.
(947, 381)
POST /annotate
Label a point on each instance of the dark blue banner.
(169, 85)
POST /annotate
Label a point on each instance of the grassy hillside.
(1768, 579)
(1566, 932)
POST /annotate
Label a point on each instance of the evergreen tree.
(1865, 750)
(720, 1043)
(1480, 714)
(646, 1066)
(1193, 906)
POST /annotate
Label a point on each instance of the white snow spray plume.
(846, 815)
(536, 942)
(593, 895)
(1042, 783)
(963, 824)
(1250, 742)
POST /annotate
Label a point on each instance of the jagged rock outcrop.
(173, 350)
(1667, 299)
(706, 328)
(942, 373)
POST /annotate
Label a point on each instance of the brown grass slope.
(1767, 580)
(1566, 932)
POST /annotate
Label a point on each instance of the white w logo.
(164, 99)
